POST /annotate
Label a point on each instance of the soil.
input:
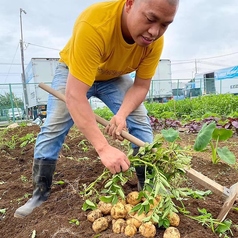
(77, 166)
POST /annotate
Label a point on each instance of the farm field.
(78, 165)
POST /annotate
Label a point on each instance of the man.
(109, 40)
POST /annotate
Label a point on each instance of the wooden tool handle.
(99, 119)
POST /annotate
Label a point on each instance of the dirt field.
(65, 203)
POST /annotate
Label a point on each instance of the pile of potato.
(127, 222)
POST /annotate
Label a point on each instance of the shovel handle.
(99, 119)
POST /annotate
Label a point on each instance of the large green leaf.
(170, 135)
(204, 136)
(222, 134)
(226, 155)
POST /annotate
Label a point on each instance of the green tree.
(5, 101)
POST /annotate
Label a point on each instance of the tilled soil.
(78, 165)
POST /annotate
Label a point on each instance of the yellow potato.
(174, 219)
(93, 215)
(133, 198)
(147, 230)
(100, 224)
(118, 211)
(128, 208)
(136, 219)
(104, 207)
(171, 232)
(130, 230)
(119, 226)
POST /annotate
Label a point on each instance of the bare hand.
(115, 127)
(113, 159)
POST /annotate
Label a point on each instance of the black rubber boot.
(140, 172)
(43, 171)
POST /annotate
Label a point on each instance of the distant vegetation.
(222, 105)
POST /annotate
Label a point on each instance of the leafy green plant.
(104, 112)
(74, 221)
(27, 139)
(24, 179)
(206, 219)
(83, 145)
(11, 144)
(209, 134)
(3, 211)
(164, 164)
(26, 195)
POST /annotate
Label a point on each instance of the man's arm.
(84, 118)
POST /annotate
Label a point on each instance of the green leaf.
(224, 226)
(226, 155)
(204, 136)
(74, 221)
(222, 134)
(106, 199)
(88, 205)
(170, 135)
(121, 193)
(3, 211)
(114, 199)
(136, 207)
(59, 182)
(108, 184)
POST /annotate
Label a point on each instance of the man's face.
(147, 20)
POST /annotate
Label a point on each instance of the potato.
(133, 198)
(128, 208)
(100, 224)
(147, 230)
(119, 226)
(109, 218)
(93, 215)
(133, 221)
(171, 232)
(104, 207)
(174, 219)
(118, 211)
(130, 230)
(136, 219)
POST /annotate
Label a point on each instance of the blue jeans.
(58, 121)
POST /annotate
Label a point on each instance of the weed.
(24, 179)
(66, 147)
(74, 221)
(27, 139)
(11, 144)
(26, 195)
(206, 219)
(3, 211)
(83, 145)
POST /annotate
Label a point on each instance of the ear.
(129, 4)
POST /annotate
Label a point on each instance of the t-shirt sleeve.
(149, 62)
(85, 51)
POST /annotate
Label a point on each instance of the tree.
(7, 100)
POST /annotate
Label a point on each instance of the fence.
(12, 98)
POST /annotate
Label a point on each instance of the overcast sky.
(202, 38)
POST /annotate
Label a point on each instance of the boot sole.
(17, 215)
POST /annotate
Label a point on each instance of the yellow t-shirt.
(97, 50)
